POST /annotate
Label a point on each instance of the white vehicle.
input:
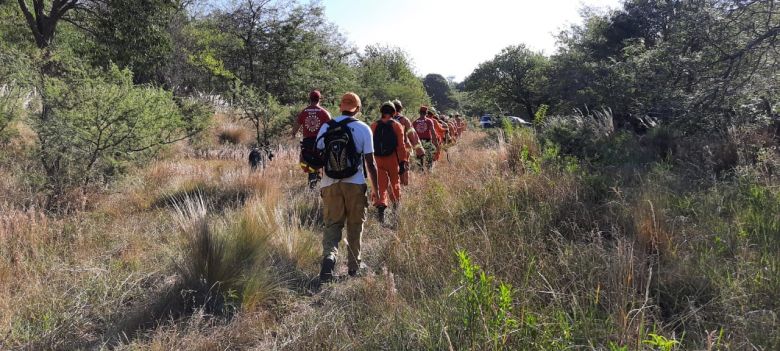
(517, 121)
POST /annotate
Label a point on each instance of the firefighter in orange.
(441, 133)
(411, 139)
(390, 154)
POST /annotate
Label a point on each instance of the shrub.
(94, 123)
(483, 305)
(579, 134)
(223, 267)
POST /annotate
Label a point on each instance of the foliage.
(485, 306)
(660, 342)
(134, 35)
(295, 51)
(386, 73)
(96, 122)
(222, 267)
(440, 91)
(513, 81)
(701, 66)
(262, 110)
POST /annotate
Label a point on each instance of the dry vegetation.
(195, 252)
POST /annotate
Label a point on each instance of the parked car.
(486, 121)
(517, 121)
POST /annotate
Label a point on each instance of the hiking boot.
(326, 272)
(380, 213)
(314, 178)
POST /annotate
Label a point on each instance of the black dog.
(256, 158)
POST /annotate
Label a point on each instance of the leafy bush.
(579, 134)
(95, 123)
(485, 307)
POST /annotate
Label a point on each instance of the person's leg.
(395, 184)
(356, 204)
(383, 180)
(334, 215)
(314, 178)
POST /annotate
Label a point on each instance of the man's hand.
(419, 151)
(402, 167)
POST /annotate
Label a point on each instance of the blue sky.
(452, 37)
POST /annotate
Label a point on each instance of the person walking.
(411, 140)
(348, 149)
(390, 154)
(309, 122)
(441, 133)
(429, 138)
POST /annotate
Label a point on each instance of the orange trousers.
(389, 182)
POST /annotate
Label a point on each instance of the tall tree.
(440, 91)
(133, 34)
(42, 22)
(386, 73)
(514, 80)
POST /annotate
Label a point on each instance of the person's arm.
(436, 139)
(320, 142)
(372, 174)
(403, 151)
(417, 146)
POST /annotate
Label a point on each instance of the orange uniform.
(440, 134)
(388, 179)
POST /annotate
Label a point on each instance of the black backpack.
(385, 142)
(309, 153)
(341, 157)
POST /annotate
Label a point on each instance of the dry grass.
(592, 258)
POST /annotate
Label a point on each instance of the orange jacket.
(401, 151)
(440, 131)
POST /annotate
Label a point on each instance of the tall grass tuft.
(222, 266)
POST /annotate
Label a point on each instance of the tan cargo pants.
(344, 203)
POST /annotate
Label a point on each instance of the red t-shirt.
(311, 119)
(424, 128)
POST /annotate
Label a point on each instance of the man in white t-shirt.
(345, 200)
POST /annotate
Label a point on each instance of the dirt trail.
(310, 312)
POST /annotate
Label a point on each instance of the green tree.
(98, 122)
(133, 34)
(440, 91)
(385, 73)
(282, 48)
(700, 65)
(514, 81)
(262, 110)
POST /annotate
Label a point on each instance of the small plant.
(540, 115)
(483, 305)
(660, 342)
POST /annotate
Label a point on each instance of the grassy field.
(509, 244)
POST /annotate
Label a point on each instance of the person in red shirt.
(309, 122)
(429, 138)
(390, 154)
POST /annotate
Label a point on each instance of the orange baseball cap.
(350, 102)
